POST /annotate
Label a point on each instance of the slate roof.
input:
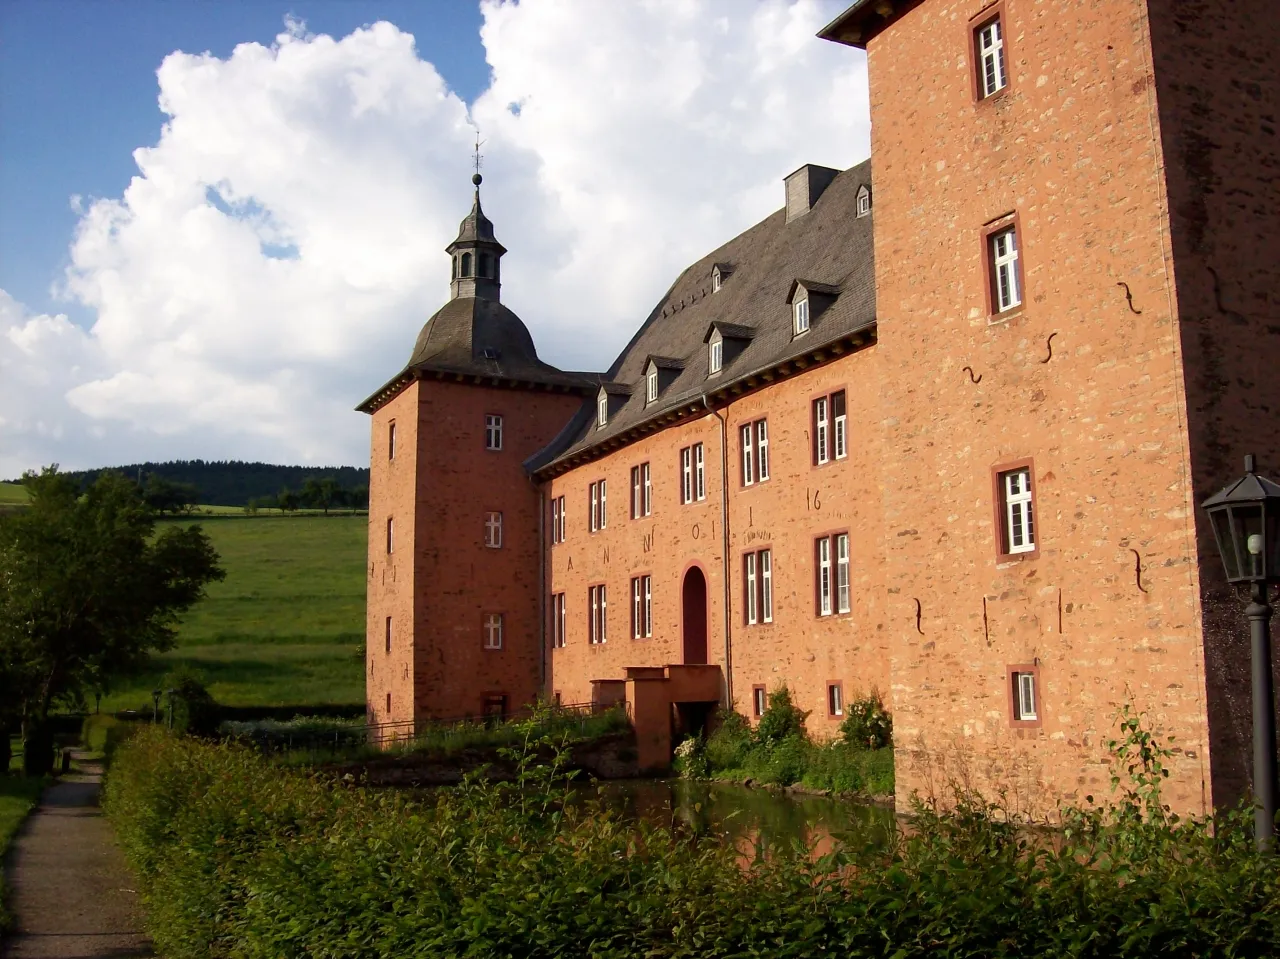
(829, 245)
(479, 337)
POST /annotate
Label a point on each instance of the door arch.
(694, 618)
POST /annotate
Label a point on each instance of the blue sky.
(265, 192)
(78, 95)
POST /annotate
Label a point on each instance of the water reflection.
(743, 816)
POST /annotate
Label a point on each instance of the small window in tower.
(989, 43)
(388, 634)
(1006, 271)
(758, 701)
(493, 631)
(492, 431)
(453, 268)
(1017, 511)
(391, 440)
(391, 535)
(801, 310)
(466, 264)
(493, 530)
(484, 265)
(835, 700)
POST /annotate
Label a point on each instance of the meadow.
(11, 494)
(286, 627)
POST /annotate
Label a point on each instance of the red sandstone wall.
(1217, 89)
(459, 580)
(785, 513)
(1070, 148)
(392, 493)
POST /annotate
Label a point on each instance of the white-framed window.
(824, 576)
(800, 312)
(388, 634)
(821, 424)
(716, 359)
(492, 431)
(557, 519)
(699, 473)
(830, 428)
(864, 200)
(641, 607)
(762, 450)
(1024, 697)
(391, 440)
(715, 280)
(835, 700)
(641, 499)
(598, 605)
(599, 503)
(493, 631)
(651, 386)
(759, 701)
(748, 455)
(842, 572)
(602, 411)
(839, 420)
(557, 620)
(391, 535)
(1006, 283)
(493, 530)
(758, 586)
(1018, 510)
(992, 77)
(686, 475)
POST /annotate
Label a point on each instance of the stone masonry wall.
(1082, 381)
(784, 514)
(1217, 91)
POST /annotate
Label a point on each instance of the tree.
(321, 493)
(166, 496)
(287, 500)
(89, 591)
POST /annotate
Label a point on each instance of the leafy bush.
(195, 711)
(238, 857)
(867, 724)
(731, 742)
(691, 759)
(782, 719)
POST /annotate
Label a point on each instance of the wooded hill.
(232, 482)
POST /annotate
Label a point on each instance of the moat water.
(739, 812)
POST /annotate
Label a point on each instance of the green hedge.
(104, 733)
(240, 857)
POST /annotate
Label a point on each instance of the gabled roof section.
(829, 246)
(665, 363)
(615, 389)
(812, 286)
(730, 331)
(863, 19)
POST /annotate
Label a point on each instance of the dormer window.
(715, 280)
(602, 411)
(719, 274)
(864, 200)
(651, 385)
(716, 359)
(801, 316)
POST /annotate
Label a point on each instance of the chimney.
(805, 186)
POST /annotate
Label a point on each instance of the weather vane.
(478, 158)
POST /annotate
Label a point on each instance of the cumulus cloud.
(281, 244)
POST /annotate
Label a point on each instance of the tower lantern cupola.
(476, 255)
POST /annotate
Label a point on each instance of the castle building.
(937, 428)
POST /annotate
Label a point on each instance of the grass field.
(11, 494)
(287, 624)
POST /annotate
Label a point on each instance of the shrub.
(782, 719)
(691, 759)
(238, 857)
(867, 724)
(731, 742)
(195, 711)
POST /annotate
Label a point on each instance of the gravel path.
(71, 892)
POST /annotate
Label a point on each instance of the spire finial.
(477, 157)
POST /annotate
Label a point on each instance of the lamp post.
(1246, 524)
(155, 706)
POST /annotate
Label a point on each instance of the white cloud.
(273, 260)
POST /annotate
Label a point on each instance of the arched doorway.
(695, 617)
